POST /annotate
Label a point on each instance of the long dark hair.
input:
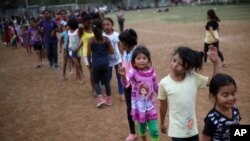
(129, 36)
(212, 15)
(97, 29)
(190, 58)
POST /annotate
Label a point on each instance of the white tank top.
(73, 39)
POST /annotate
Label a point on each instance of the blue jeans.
(118, 76)
(51, 50)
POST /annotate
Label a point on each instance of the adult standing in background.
(120, 18)
(49, 27)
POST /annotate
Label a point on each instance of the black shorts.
(37, 47)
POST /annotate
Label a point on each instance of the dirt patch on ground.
(36, 105)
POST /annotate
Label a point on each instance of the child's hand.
(122, 71)
(76, 49)
(53, 33)
(213, 54)
(163, 129)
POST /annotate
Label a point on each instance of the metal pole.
(27, 4)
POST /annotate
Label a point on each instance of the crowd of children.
(95, 43)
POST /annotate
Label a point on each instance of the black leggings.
(216, 44)
(193, 138)
(121, 24)
(128, 103)
(101, 74)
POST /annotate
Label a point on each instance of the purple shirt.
(47, 27)
(144, 90)
(35, 36)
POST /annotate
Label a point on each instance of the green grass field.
(186, 14)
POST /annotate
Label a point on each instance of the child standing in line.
(177, 92)
(128, 40)
(99, 47)
(142, 78)
(86, 35)
(64, 44)
(114, 59)
(36, 40)
(12, 34)
(25, 38)
(223, 90)
(74, 46)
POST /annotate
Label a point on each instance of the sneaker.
(108, 101)
(100, 101)
(131, 137)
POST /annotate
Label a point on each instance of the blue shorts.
(72, 53)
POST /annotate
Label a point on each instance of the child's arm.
(205, 138)
(209, 129)
(122, 72)
(79, 46)
(126, 76)
(210, 28)
(213, 56)
(53, 32)
(89, 52)
(163, 108)
(163, 111)
(120, 48)
(61, 44)
(111, 50)
(155, 83)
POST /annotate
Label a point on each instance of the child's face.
(63, 15)
(141, 61)
(176, 65)
(107, 26)
(87, 24)
(46, 15)
(32, 23)
(226, 96)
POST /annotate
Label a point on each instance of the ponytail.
(212, 15)
(97, 29)
(217, 18)
(198, 61)
(190, 58)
